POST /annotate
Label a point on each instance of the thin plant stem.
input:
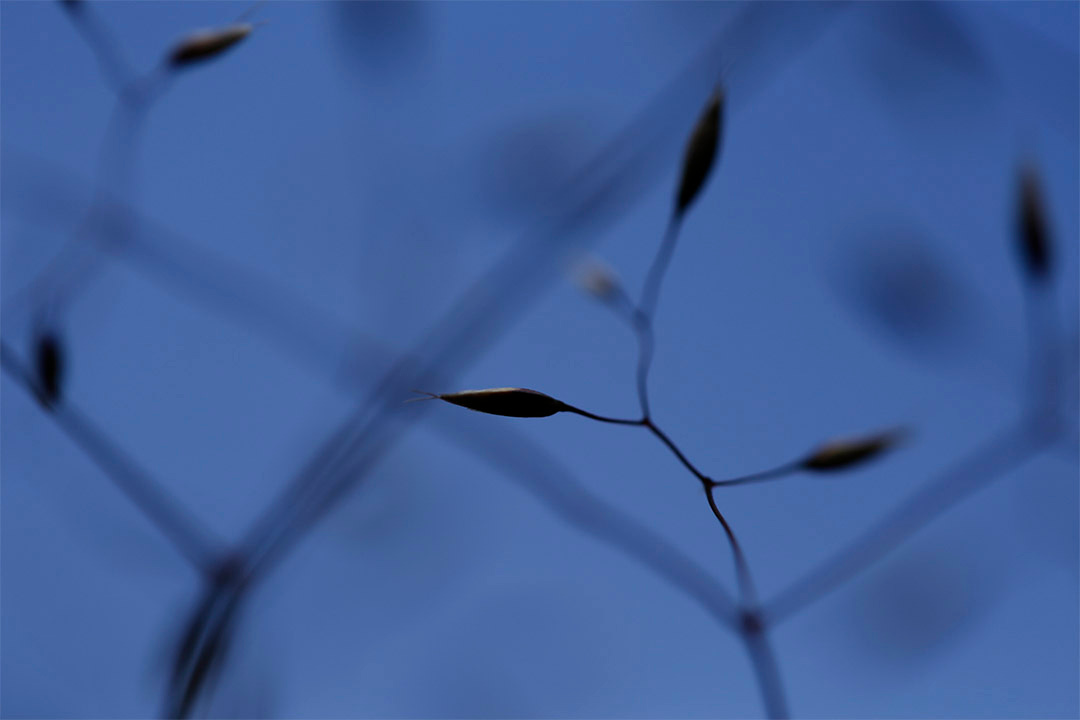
(622, 303)
(702, 477)
(114, 67)
(650, 293)
(603, 418)
(643, 331)
(642, 316)
(747, 591)
(767, 671)
(775, 473)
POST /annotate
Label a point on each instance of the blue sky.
(374, 166)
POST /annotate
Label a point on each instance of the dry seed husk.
(206, 44)
(700, 153)
(511, 402)
(846, 453)
(1032, 229)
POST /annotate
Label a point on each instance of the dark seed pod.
(206, 44)
(511, 402)
(844, 453)
(49, 361)
(700, 152)
(1032, 229)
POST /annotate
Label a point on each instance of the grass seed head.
(511, 402)
(1032, 229)
(844, 453)
(206, 44)
(700, 152)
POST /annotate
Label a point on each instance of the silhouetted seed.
(844, 453)
(1032, 230)
(49, 359)
(700, 152)
(205, 44)
(511, 402)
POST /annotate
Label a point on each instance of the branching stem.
(753, 628)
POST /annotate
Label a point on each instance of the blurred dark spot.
(229, 571)
(1032, 228)
(894, 280)
(917, 606)
(376, 38)
(751, 623)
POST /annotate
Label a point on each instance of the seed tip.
(428, 396)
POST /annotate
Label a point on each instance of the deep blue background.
(375, 163)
